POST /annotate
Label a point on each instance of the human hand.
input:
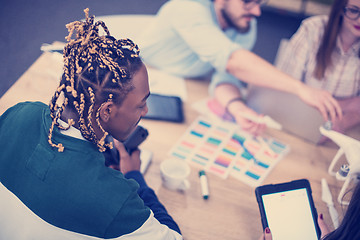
(323, 226)
(228, 101)
(266, 235)
(322, 100)
(127, 162)
(242, 115)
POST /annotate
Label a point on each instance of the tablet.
(288, 210)
(164, 108)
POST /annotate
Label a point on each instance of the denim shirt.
(185, 39)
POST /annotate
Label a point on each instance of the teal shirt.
(72, 190)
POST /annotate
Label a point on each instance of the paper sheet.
(166, 84)
(224, 150)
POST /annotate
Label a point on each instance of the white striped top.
(342, 80)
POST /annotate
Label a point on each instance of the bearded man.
(195, 38)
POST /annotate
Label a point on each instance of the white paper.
(166, 84)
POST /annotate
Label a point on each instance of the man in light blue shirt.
(192, 38)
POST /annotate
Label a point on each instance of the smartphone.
(288, 210)
(131, 143)
(135, 139)
(164, 108)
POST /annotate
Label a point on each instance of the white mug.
(174, 174)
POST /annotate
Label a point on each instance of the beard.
(230, 21)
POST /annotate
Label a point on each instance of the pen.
(204, 184)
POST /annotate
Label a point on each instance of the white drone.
(351, 148)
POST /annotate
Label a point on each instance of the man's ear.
(106, 111)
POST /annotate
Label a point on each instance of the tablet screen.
(289, 215)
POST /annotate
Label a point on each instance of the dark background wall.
(26, 24)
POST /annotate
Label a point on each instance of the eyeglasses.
(249, 4)
(352, 12)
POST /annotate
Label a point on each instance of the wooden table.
(231, 212)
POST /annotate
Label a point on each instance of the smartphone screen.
(288, 210)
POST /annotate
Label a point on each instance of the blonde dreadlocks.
(96, 69)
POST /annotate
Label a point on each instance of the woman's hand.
(128, 162)
(322, 100)
(323, 226)
(266, 235)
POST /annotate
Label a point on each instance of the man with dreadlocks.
(54, 182)
(195, 38)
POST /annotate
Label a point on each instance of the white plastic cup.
(174, 174)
